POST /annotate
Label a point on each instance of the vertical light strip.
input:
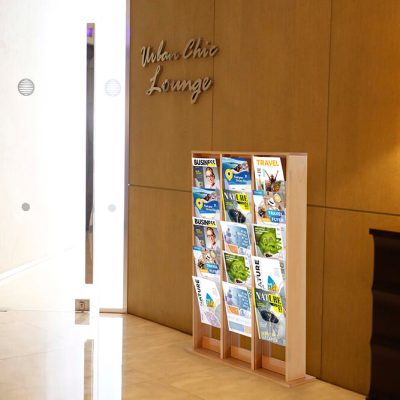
(109, 153)
(89, 153)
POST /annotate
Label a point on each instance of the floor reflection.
(64, 356)
(88, 369)
(109, 362)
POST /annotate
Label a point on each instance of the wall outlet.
(82, 305)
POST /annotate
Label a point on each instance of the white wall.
(42, 152)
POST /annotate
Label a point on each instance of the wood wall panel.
(282, 83)
(364, 106)
(315, 262)
(160, 260)
(347, 297)
(166, 127)
(271, 80)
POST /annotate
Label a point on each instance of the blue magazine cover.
(236, 174)
(206, 204)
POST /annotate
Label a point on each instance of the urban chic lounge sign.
(194, 49)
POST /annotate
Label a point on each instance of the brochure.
(270, 316)
(236, 206)
(238, 308)
(206, 204)
(205, 173)
(237, 269)
(270, 206)
(236, 238)
(206, 233)
(268, 173)
(236, 174)
(206, 263)
(269, 273)
(209, 301)
(270, 240)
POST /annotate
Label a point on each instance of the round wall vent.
(112, 207)
(112, 87)
(26, 87)
(26, 206)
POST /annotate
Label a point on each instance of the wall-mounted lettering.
(195, 49)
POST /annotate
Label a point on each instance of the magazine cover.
(268, 173)
(206, 263)
(269, 273)
(206, 204)
(236, 206)
(236, 174)
(238, 308)
(236, 238)
(270, 240)
(206, 233)
(237, 269)
(209, 301)
(205, 173)
(270, 206)
(270, 316)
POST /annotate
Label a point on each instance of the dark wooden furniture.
(385, 340)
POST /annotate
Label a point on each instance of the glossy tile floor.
(57, 356)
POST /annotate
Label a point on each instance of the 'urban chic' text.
(194, 49)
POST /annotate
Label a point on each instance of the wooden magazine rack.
(285, 365)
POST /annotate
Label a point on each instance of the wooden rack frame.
(255, 355)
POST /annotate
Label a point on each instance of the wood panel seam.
(321, 365)
(354, 210)
(159, 188)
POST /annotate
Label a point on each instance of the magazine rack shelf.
(285, 365)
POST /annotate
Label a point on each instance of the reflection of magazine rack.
(285, 365)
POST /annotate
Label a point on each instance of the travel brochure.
(206, 203)
(270, 206)
(268, 173)
(236, 174)
(261, 213)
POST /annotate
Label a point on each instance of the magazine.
(236, 206)
(205, 233)
(238, 308)
(205, 173)
(206, 204)
(236, 174)
(270, 206)
(269, 273)
(268, 173)
(270, 316)
(237, 269)
(206, 263)
(209, 301)
(236, 238)
(270, 240)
